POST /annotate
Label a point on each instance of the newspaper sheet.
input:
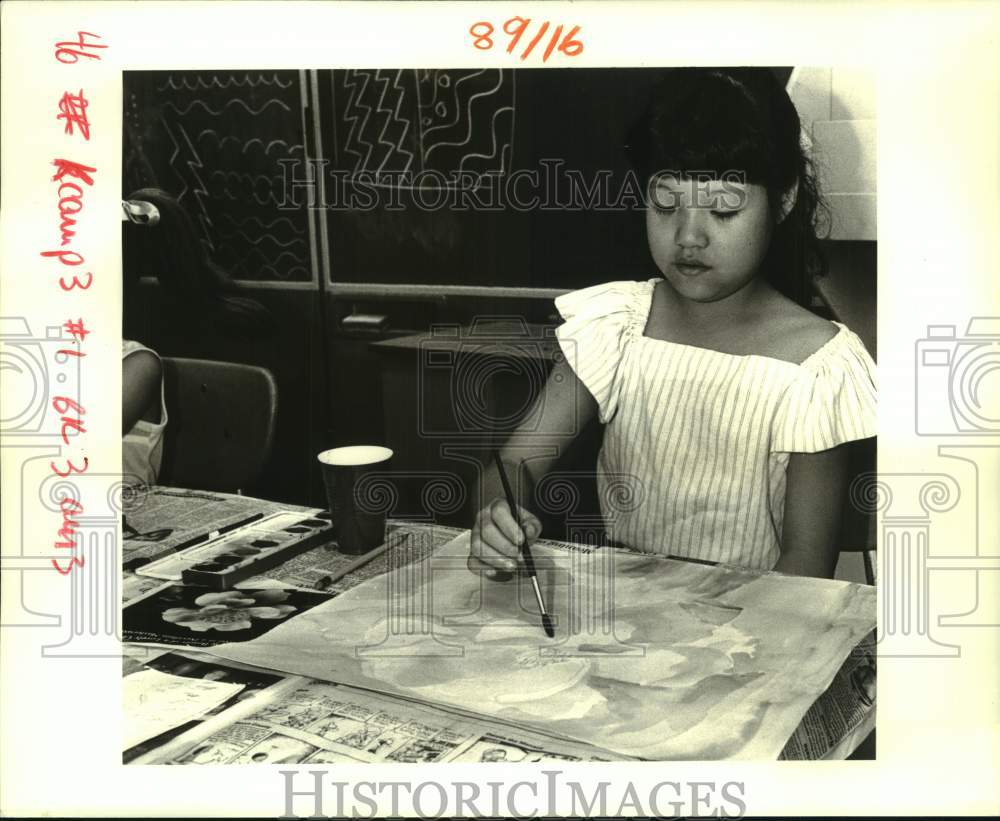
(321, 568)
(312, 722)
(136, 587)
(331, 571)
(843, 715)
(312, 707)
(156, 522)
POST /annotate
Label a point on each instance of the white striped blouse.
(697, 441)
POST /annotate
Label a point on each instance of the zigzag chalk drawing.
(450, 121)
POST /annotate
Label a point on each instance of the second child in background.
(144, 414)
(192, 293)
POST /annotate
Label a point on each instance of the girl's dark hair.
(192, 284)
(717, 121)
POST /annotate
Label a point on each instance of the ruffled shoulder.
(600, 323)
(832, 400)
(611, 299)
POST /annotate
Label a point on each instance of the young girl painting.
(724, 400)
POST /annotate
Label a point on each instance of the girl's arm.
(815, 489)
(141, 372)
(559, 414)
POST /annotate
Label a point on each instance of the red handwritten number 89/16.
(516, 27)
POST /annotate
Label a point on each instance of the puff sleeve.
(833, 400)
(599, 323)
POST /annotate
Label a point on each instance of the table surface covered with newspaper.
(184, 706)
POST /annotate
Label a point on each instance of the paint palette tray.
(223, 562)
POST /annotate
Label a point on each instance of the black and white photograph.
(631, 311)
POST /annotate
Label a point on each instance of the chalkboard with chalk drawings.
(217, 141)
(482, 176)
(478, 176)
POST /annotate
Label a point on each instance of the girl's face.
(708, 237)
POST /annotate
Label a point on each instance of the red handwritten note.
(74, 178)
(85, 45)
(542, 35)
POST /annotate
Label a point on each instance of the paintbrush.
(529, 561)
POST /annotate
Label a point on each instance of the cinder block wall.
(837, 109)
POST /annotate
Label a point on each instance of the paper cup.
(357, 508)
